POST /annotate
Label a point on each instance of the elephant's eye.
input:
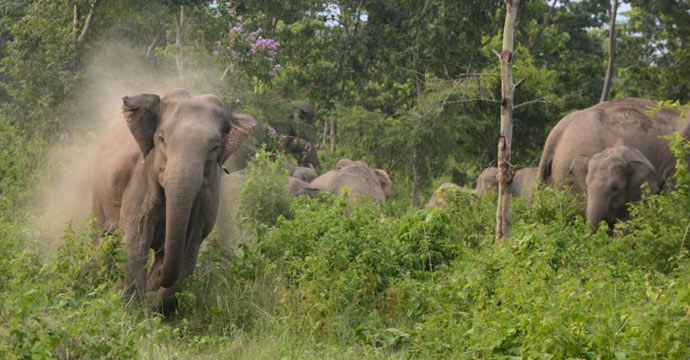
(215, 148)
(161, 140)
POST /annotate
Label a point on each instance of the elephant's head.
(614, 178)
(185, 139)
(385, 181)
(487, 180)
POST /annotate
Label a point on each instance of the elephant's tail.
(546, 161)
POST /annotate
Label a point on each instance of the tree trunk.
(505, 172)
(179, 41)
(334, 134)
(324, 138)
(613, 12)
(419, 79)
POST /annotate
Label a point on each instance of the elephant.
(487, 181)
(159, 175)
(614, 178)
(304, 113)
(305, 174)
(439, 199)
(362, 180)
(580, 135)
(523, 181)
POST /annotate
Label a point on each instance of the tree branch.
(547, 21)
(154, 42)
(87, 24)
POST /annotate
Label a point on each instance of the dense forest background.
(409, 86)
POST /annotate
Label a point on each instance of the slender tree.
(613, 11)
(505, 172)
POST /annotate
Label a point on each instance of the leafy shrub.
(264, 195)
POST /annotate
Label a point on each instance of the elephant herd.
(160, 175)
(605, 152)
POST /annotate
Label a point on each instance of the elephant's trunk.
(182, 183)
(597, 210)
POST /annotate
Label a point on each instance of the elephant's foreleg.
(137, 238)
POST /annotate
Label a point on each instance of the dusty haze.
(114, 71)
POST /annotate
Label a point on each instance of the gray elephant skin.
(306, 174)
(524, 181)
(614, 178)
(159, 181)
(356, 175)
(628, 124)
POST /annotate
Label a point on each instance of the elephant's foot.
(162, 300)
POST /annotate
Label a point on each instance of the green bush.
(264, 196)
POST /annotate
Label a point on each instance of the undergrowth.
(318, 281)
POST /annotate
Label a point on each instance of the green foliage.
(264, 196)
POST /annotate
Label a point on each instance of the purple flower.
(272, 73)
(272, 133)
(235, 29)
(269, 44)
(216, 52)
(218, 43)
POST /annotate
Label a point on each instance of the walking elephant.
(362, 180)
(159, 175)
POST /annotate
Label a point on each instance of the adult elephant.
(523, 181)
(577, 137)
(607, 151)
(362, 180)
(159, 175)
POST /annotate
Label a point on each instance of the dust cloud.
(113, 71)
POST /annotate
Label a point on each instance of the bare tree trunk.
(505, 171)
(613, 12)
(154, 42)
(324, 138)
(75, 23)
(419, 84)
(334, 134)
(179, 41)
(87, 23)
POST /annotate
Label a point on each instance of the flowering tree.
(246, 47)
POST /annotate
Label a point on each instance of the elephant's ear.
(577, 171)
(385, 182)
(241, 125)
(639, 170)
(141, 112)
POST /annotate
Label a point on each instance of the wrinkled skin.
(580, 135)
(160, 173)
(524, 181)
(487, 181)
(305, 174)
(362, 180)
(614, 178)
